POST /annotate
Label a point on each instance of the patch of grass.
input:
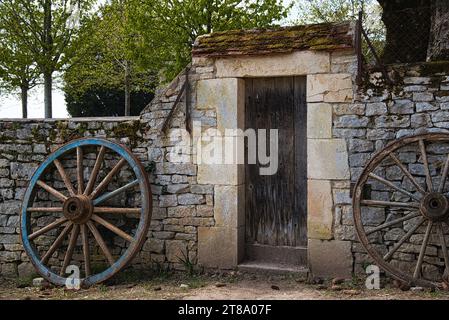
(188, 264)
(160, 271)
(102, 288)
(196, 281)
(26, 281)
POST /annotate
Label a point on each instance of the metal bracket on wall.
(182, 92)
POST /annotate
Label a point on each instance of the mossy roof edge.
(318, 37)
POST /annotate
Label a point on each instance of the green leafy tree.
(106, 58)
(45, 28)
(18, 71)
(167, 29)
(316, 11)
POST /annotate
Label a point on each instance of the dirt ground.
(214, 286)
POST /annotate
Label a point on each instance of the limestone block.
(327, 159)
(229, 207)
(329, 87)
(221, 174)
(319, 209)
(296, 63)
(154, 245)
(220, 247)
(168, 201)
(26, 269)
(227, 98)
(319, 120)
(190, 198)
(175, 250)
(344, 61)
(22, 170)
(330, 258)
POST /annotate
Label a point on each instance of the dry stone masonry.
(416, 103)
(198, 211)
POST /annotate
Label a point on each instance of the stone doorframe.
(222, 246)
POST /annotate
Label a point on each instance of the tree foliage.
(128, 46)
(167, 29)
(45, 29)
(18, 70)
(106, 59)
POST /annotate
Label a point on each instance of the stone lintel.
(291, 64)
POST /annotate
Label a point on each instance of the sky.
(10, 106)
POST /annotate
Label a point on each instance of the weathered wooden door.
(276, 205)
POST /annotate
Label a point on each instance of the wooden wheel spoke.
(112, 194)
(100, 242)
(407, 173)
(79, 169)
(64, 177)
(117, 210)
(70, 248)
(51, 190)
(378, 203)
(47, 228)
(422, 148)
(49, 209)
(56, 244)
(444, 175)
(388, 256)
(103, 184)
(443, 247)
(392, 223)
(113, 228)
(86, 252)
(422, 252)
(95, 171)
(392, 185)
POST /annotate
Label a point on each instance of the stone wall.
(418, 102)
(180, 204)
(197, 210)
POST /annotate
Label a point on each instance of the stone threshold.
(261, 267)
(282, 255)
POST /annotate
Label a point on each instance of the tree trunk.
(408, 25)
(48, 86)
(48, 47)
(24, 98)
(127, 89)
(439, 31)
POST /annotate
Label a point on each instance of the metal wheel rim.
(141, 231)
(377, 159)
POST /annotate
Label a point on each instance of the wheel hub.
(78, 209)
(435, 206)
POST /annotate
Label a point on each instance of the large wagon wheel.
(104, 207)
(401, 209)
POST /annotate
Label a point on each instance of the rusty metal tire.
(81, 212)
(426, 205)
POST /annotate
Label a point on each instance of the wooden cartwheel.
(401, 209)
(98, 220)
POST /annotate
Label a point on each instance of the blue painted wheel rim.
(140, 233)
